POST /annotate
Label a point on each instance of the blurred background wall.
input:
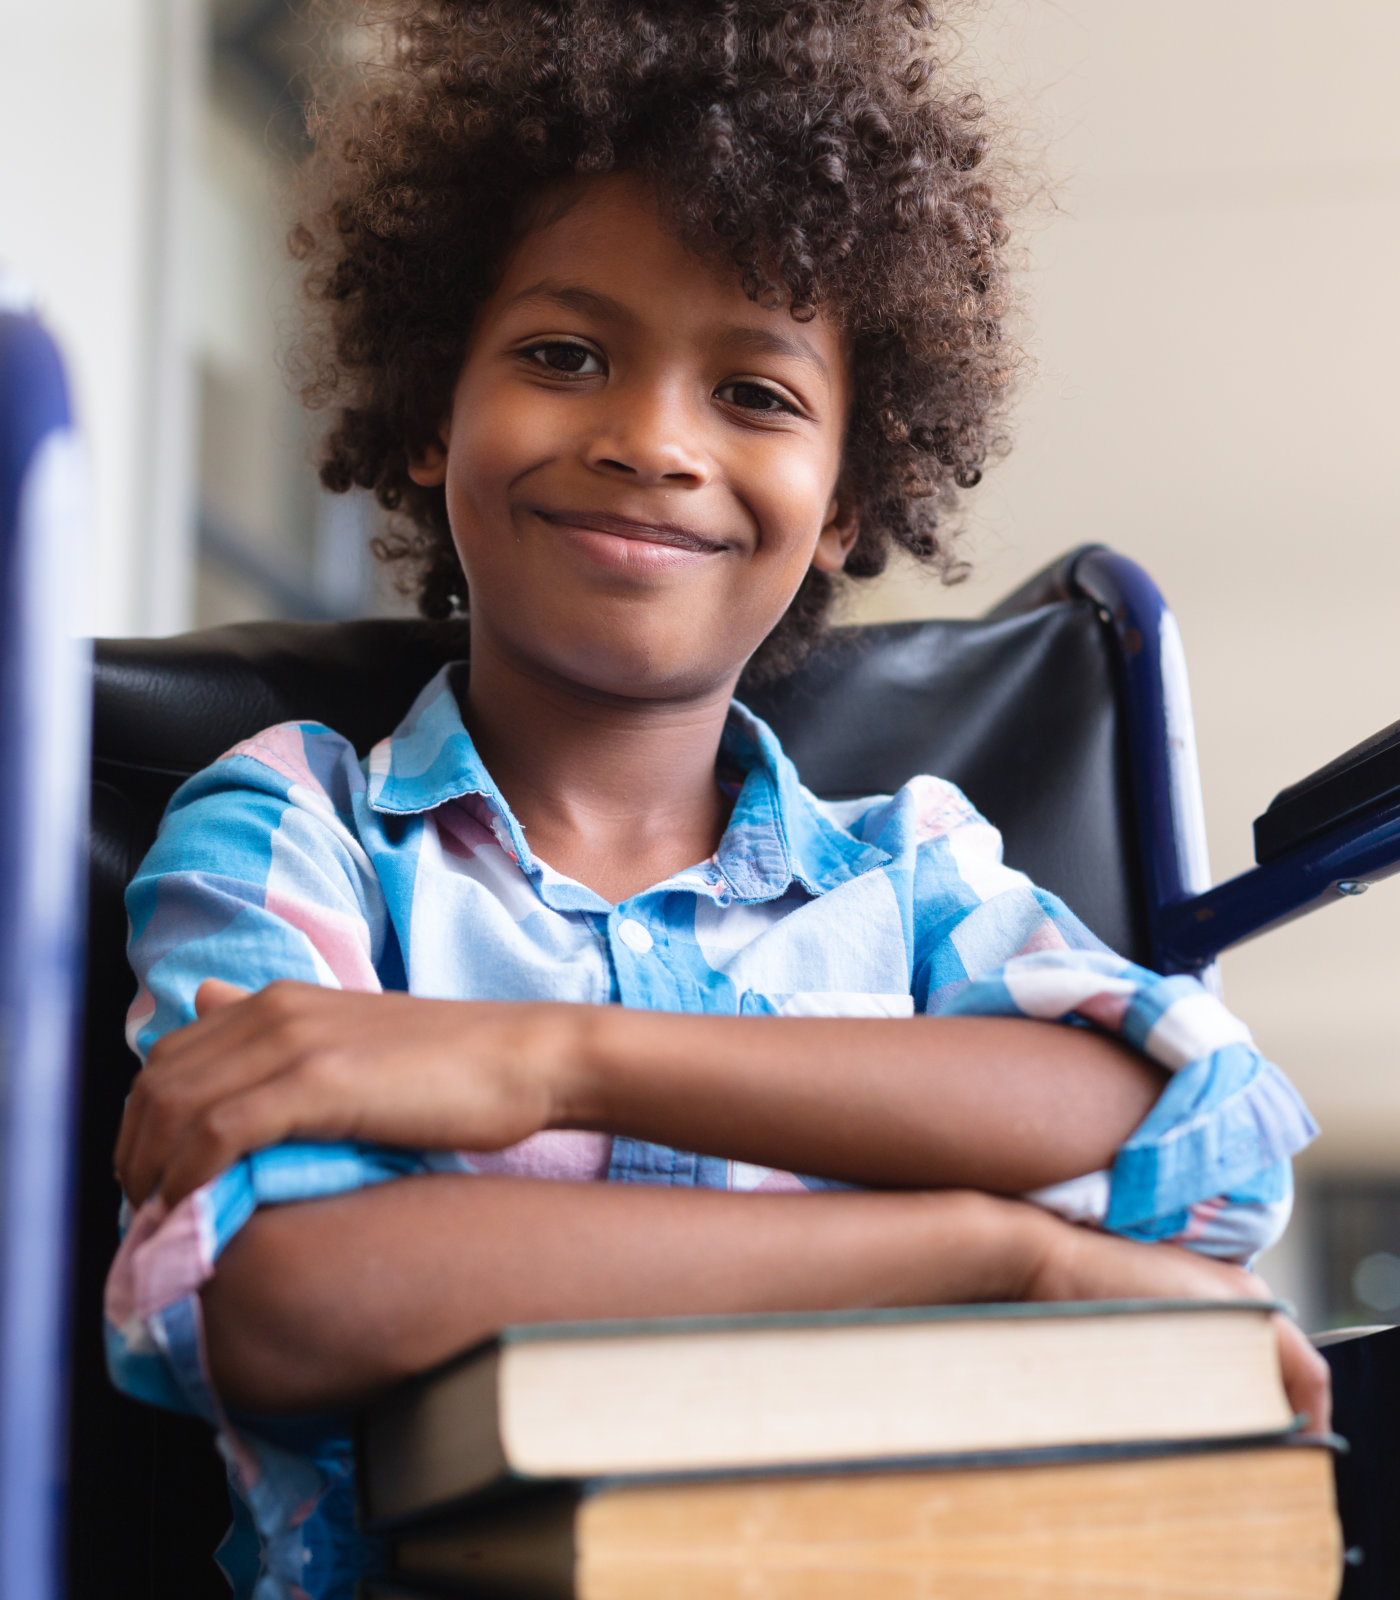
(1215, 340)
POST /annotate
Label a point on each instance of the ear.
(428, 467)
(839, 533)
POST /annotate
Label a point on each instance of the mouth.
(670, 535)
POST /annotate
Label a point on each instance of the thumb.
(214, 994)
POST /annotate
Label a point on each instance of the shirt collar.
(778, 832)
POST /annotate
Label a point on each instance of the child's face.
(641, 464)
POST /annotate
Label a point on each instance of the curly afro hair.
(813, 145)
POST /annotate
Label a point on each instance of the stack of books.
(1017, 1452)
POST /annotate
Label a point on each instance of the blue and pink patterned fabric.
(292, 858)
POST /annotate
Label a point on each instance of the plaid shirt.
(291, 858)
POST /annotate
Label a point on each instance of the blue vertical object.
(44, 741)
(1161, 737)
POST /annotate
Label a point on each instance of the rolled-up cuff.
(1218, 1124)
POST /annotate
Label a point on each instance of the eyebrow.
(764, 342)
(751, 340)
(573, 297)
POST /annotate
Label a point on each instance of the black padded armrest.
(1366, 777)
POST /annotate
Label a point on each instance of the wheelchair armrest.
(1365, 779)
(1327, 837)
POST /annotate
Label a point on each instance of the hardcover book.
(1223, 1522)
(759, 1394)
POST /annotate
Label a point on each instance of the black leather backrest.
(1022, 712)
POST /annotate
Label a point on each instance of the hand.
(296, 1061)
(1078, 1264)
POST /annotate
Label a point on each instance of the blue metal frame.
(1190, 923)
(1339, 864)
(1169, 813)
(44, 698)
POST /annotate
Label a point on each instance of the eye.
(749, 396)
(563, 355)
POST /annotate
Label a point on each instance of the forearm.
(321, 1303)
(994, 1103)
(989, 1102)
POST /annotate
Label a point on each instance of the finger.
(187, 1076)
(1307, 1379)
(214, 995)
(211, 1050)
(166, 1110)
(188, 1055)
(298, 1103)
(231, 1021)
(238, 1015)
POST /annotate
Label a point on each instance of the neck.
(615, 792)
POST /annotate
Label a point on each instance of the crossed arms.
(942, 1118)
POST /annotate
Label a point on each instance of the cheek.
(494, 443)
(789, 500)
(491, 440)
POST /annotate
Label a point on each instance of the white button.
(634, 936)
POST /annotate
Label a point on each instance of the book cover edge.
(758, 1321)
(516, 1484)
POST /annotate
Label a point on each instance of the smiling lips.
(656, 543)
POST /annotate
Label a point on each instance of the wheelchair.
(1063, 713)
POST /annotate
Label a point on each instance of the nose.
(647, 433)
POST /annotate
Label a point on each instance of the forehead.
(601, 248)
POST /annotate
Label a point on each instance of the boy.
(654, 322)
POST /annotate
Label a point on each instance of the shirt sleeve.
(257, 874)
(1210, 1165)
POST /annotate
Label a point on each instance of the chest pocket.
(825, 1003)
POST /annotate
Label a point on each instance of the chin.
(637, 673)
